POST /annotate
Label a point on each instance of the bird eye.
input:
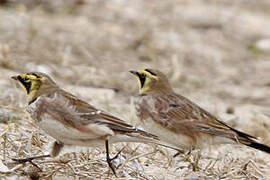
(26, 79)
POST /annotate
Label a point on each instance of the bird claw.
(30, 160)
(112, 167)
(176, 154)
(21, 160)
(116, 156)
(109, 161)
(24, 160)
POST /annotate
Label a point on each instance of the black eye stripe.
(142, 79)
(147, 70)
(35, 75)
(27, 85)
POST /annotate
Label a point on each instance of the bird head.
(151, 80)
(35, 83)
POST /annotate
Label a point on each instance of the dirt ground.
(215, 52)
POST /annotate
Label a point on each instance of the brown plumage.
(72, 121)
(177, 120)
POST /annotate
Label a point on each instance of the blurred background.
(215, 52)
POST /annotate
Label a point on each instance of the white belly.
(72, 136)
(178, 140)
(182, 141)
(65, 134)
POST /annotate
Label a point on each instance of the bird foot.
(30, 160)
(109, 161)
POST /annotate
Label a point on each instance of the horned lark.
(72, 121)
(177, 120)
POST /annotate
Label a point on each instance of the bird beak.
(14, 77)
(134, 72)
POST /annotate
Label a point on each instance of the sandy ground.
(215, 52)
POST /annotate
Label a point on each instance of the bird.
(72, 121)
(179, 121)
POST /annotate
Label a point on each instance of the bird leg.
(109, 160)
(57, 146)
(193, 158)
(195, 163)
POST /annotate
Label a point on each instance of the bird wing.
(181, 115)
(83, 116)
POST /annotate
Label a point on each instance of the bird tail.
(259, 146)
(153, 139)
(168, 146)
(133, 134)
(147, 134)
(141, 136)
(250, 141)
(156, 142)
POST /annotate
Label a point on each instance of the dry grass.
(208, 49)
